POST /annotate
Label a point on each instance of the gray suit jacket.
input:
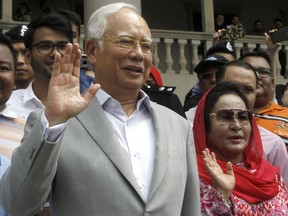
(86, 172)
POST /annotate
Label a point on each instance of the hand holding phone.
(279, 35)
(233, 33)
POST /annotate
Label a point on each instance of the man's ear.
(91, 48)
(28, 56)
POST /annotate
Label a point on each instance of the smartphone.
(233, 33)
(280, 35)
(85, 63)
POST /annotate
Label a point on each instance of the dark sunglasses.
(228, 115)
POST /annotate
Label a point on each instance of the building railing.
(178, 52)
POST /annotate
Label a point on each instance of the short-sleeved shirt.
(275, 119)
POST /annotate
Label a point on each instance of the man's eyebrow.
(5, 62)
(132, 37)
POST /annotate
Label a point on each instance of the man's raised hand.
(64, 99)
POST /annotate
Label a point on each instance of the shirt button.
(136, 154)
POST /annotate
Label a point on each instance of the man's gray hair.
(97, 23)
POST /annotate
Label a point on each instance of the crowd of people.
(120, 142)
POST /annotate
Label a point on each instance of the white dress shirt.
(24, 101)
(136, 134)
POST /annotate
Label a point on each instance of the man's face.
(207, 79)
(6, 74)
(117, 68)
(42, 64)
(220, 19)
(235, 20)
(258, 25)
(278, 24)
(265, 88)
(23, 71)
(246, 79)
(76, 36)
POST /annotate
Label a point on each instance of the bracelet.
(228, 203)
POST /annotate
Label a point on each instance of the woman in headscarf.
(234, 177)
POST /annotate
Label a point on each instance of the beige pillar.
(91, 5)
(207, 9)
(7, 11)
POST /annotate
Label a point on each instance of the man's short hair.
(54, 21)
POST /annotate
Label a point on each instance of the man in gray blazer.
(116, 153)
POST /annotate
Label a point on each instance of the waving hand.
(64, 99)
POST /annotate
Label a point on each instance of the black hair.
(257, 21)
(258, 54)
(6, 41)
(54, 21)
(238, 63)
(214, 95)
(278, 20)
(72, 17)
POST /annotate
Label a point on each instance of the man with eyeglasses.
(268, 114)
(45, 37)
(244, 74)
(110, 153)
(206, 71)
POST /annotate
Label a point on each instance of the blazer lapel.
(101, 130)
(161, 151)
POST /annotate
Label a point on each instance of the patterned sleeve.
(212, 203)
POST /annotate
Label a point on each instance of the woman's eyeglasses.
(228, 115)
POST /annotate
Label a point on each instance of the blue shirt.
(85, 81)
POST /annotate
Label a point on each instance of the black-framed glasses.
(263, 72)
(228, 115)
(206, 75)
(129, 44)
(47, 47)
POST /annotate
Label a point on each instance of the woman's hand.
(223, 182)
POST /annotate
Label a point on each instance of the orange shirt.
(275, 119)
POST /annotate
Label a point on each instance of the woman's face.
(230, 128)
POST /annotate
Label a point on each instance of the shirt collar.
(104, 97)
(8, 113)
(29, 94)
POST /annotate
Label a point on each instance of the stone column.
(207, 10)
(168, 58)
(7, 11)
(182, 59)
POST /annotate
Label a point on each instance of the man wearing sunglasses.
(206, 71)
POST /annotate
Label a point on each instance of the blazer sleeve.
(25, 186)
(192, 192)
